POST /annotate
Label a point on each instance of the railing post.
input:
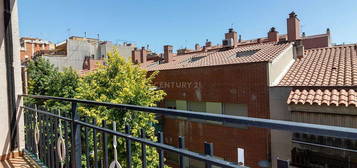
(76, 138)
(128, 147)
(143, 149)
(181, 146)
(161, 152)
(105, 145)
(95, 162)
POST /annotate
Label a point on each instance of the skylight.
(245, 53)
(154, 63)
(192, 59)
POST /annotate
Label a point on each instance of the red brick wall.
(241, 84)
(316, 42)
(29, 52)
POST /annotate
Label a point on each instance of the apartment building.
(12, 128)
(76, 52)
(33, 46)
(238, 77)
(323, 88)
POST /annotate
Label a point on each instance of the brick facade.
(317, 42)
(29, 47)
(241, 84)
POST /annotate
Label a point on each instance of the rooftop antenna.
(68, 31)
(98, 39)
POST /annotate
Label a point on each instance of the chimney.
(86, 63)
(273, 35)
(259, 40)
(143, 55)
(208, 44)
(240, 38)
(232, 35)
(135, 56)
(298, 49)
(197, 47)
(168, 53)
(293, 27)
(328, 32)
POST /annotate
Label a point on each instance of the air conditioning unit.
(228, 42)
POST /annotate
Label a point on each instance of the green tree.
(41, 74)
(45, 79)
(123, 83)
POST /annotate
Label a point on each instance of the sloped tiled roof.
(327, 97)
(334, 68)
(330, 66)
(264, 52)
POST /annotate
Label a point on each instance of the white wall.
(4, 114)
(280, 66)
(77, 50)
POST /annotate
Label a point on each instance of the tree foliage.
(122, 82)
(118, 82)
(41, 74)
(45, 79)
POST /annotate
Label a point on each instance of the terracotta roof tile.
(326, 97)
(264, 52)
(330, 66)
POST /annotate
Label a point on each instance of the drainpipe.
(9, 58)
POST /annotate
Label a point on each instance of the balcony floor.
(18, 162)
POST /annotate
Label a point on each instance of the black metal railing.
(42, 133)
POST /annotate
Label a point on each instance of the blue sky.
(182, 23)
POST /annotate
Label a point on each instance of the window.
(192, 59)
(171, 104)
(245, 53)
(181, 104)
(197, 106)
(215, 108)
(154, 63)
(235, 110)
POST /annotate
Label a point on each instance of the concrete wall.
(77, 50)
(280, 140)
(125, 51)
(4, 113)
(59, 61)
